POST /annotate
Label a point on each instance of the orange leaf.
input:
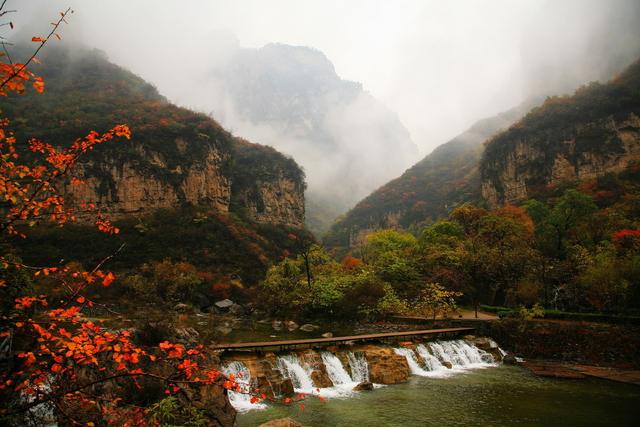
(108, 279)
(81, 300)
(38, 39)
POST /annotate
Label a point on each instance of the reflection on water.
(502, 396)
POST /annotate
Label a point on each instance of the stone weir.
(346, 369)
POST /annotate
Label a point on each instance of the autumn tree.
(434, 298)
(64, 365)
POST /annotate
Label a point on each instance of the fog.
(370, 87)
(439, 65)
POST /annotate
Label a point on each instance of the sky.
(440, 65)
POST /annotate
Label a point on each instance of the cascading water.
(359, 367)
(414, 366)
(241, 401)
(291, 368)
(335, 370)
(439, 356)
(440, 359)
(430, 361)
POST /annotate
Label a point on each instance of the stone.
(327, 335)
(187, 336)
(321, 379)
(509, 359)
(281, 422)
(364, 386)
(385, 366)
(276, 324)
(202, 301)
(291, 325)
(308, 327)
(447, 364)
(213, 401)
(225, 303)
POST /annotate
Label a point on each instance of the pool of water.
(500, 396)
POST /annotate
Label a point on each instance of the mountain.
(568, 139)
(428, 190)
(291, 98)
(181, 173)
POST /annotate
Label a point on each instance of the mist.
(427, 70)
(439, 65)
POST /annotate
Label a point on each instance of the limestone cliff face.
(280, 201)
(176, 157)
(123, 188)
(150, 180)
(568, 139)
(588, 150)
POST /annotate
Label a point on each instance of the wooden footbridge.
(282, 345)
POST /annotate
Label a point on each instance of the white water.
(241, 401)
(359, 367)
(414, 366)
(436, 355)
(430, 361)
(335, 370)
(291, 368)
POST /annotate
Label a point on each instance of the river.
(496, 396)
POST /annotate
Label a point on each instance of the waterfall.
(414, 366)
(430, 361)
(460, 354)
(241, 401)
(439, 356)
(336, 371)
(359, 367)
(291, 368)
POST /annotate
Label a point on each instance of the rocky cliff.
(568, 139)
(290, 97)
(428, 190)
(176, 157)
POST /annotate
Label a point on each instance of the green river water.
(498, 396)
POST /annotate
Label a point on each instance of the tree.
(65, 363)
(496, 258)
(435, 298)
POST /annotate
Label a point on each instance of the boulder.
(327, 335)
(202, 301)
(281, 422)
(385, 366)
(447, 365)
(321, 379)
(364, 386)
(225, 303)
(291, 325)
(509, 359)
(213, 401)
(308, 327)
(277, 325)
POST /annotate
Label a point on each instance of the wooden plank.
(287, 343)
